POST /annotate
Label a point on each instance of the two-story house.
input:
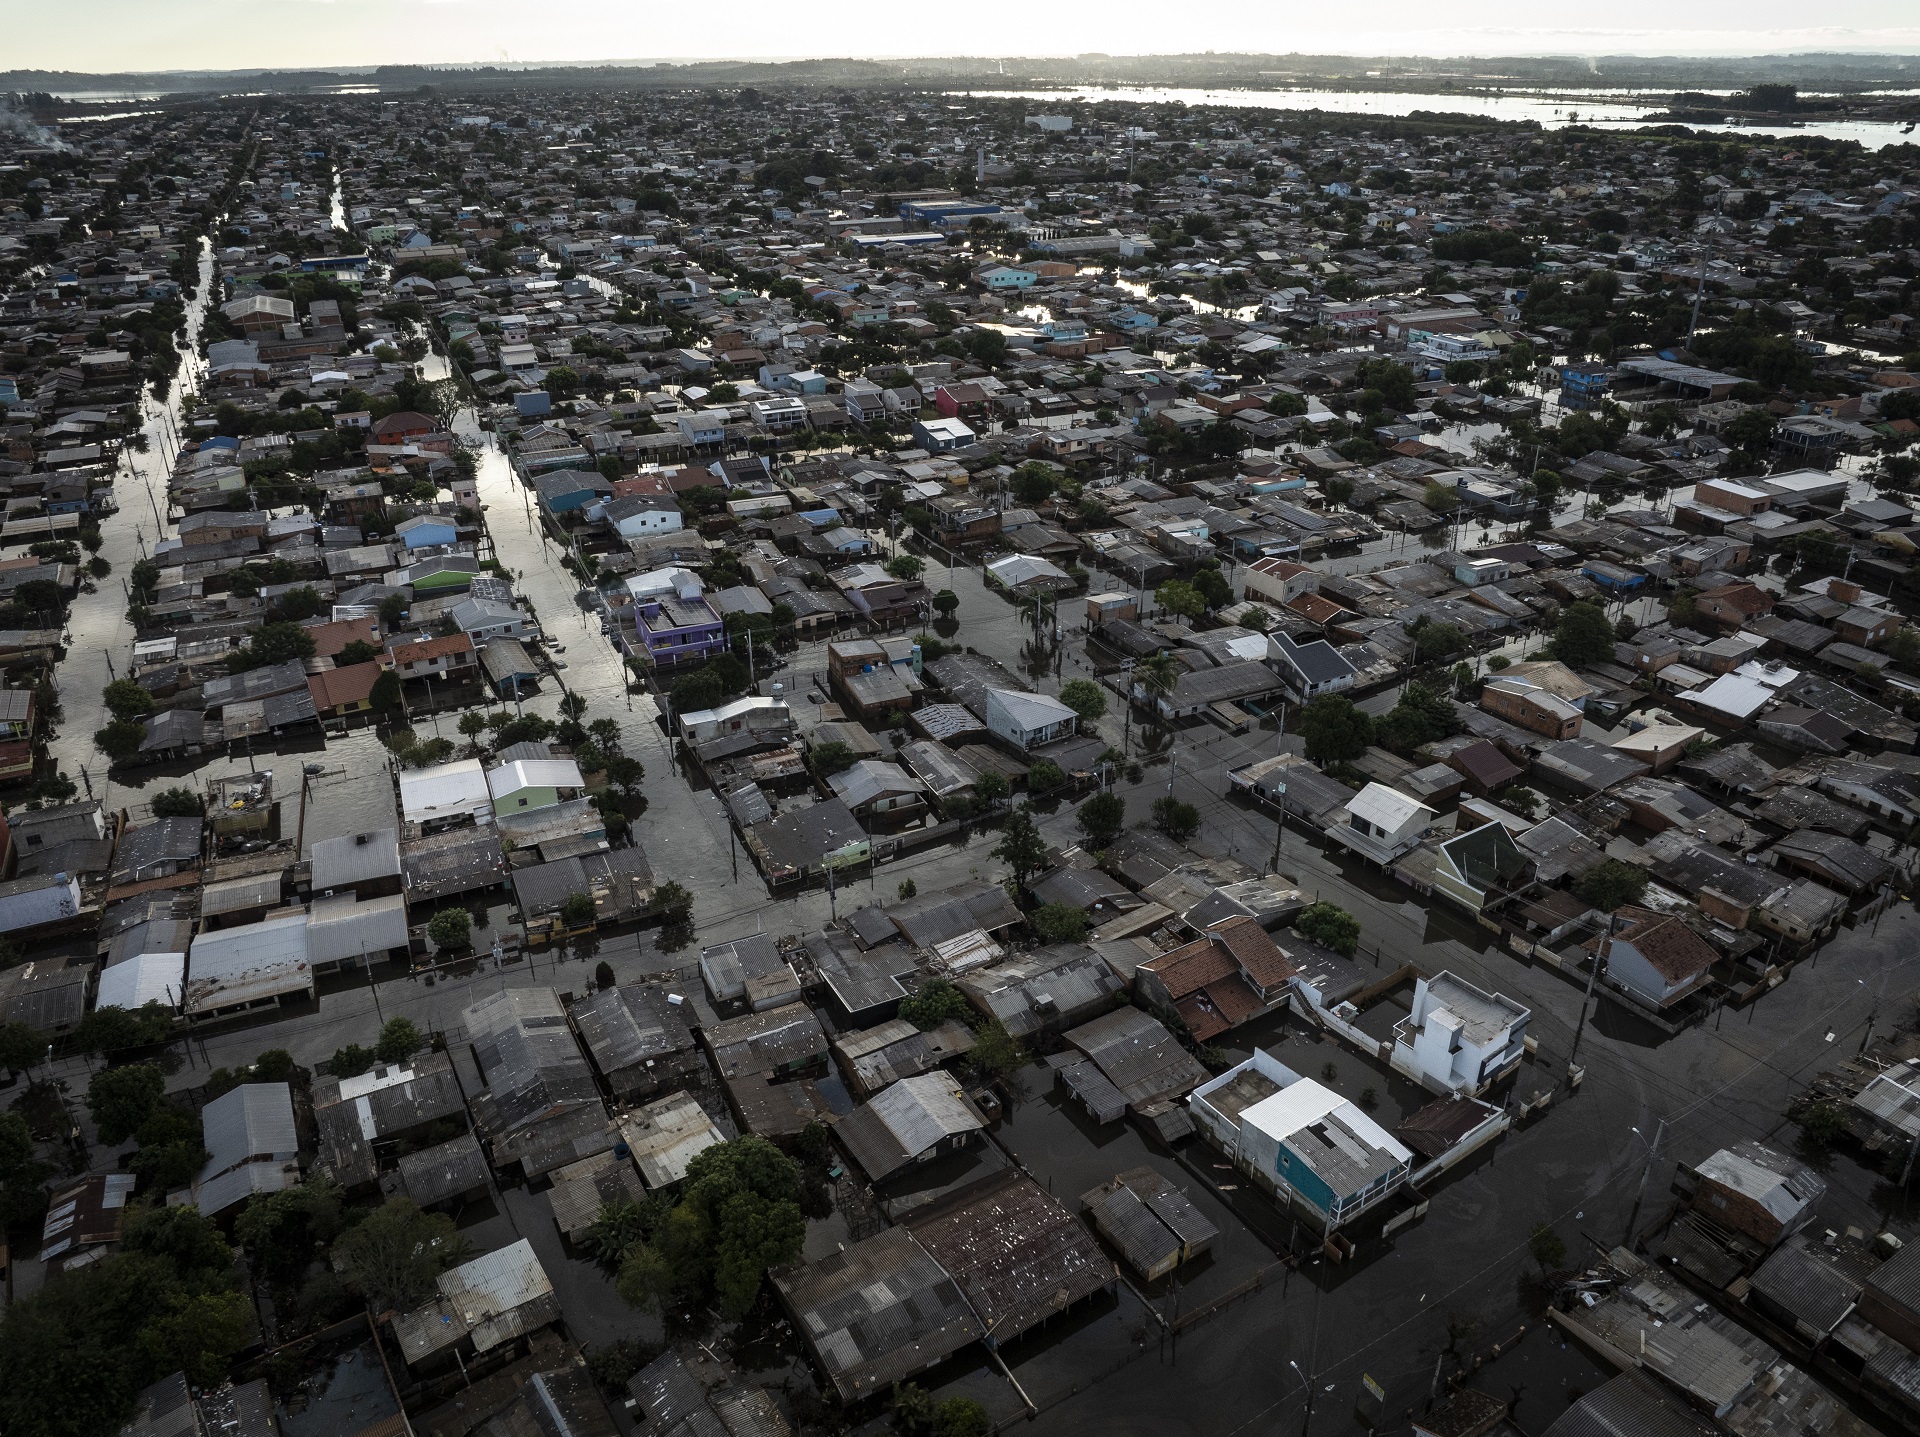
(1457, 1040)
(676, 628)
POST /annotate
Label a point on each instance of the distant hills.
(1844, 72)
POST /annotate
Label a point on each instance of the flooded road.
(100, 637)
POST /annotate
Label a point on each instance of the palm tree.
(1159, 674)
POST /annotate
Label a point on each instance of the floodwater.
(1553, 112)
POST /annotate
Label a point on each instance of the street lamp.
(1307, 1385)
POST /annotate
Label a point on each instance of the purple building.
(676, 629)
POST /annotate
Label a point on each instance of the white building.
(1382, 823)
(1300, 1140)
(1458, 1040)
(251, 965)
(1025, 720)
(778, 413)
(445, 795)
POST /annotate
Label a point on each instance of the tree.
(1179, 597)
(1033, 483)
(673, 903)
(992, 788)
(1059, 923)
(274, 643)
(351, 1061)
(178, 803)
(1159, 675)
(946, 602)
(121, 1099)
(20, 1047)
(385, 695)
(907, 567)
(1044, 776)
(934, 1002)
(1335, 729)
(121, 739)
(1434, 640)
(961, 1417)
(747, 1192)
(1329, 925)
(1085, 698)
(1021, 847)
(1547, 1247)
(1102, 817)
(830, 758)
(1611, 885)
(577, 911)
(284, 1231)
(357, 652)
(126, 699)
(618, 1227)
(399, 1041)
(995, 1051)
(1257, 619)
(1423, 715)
(394, 609)
(451, 928)
(1176, 818)
(394, 1254)
(1583, 636)
(603, 978)
(112, 1029)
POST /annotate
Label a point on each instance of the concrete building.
(1301, 1141)
(1459, 1041)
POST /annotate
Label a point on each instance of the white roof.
(1734, 694)
(1385, 807)
(1656, 737)
(443, 790)
(144, 978)
(1304, 1103)
(524, 773)
(278, 941)
(674, 579)
(1019, 568)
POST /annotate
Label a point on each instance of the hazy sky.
(116, 35)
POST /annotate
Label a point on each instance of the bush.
(577, 911)
(352, 1060)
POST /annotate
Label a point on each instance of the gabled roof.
(1676, 952)
(1385, 807)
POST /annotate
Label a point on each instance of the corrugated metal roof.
(1630, 1405)
(252, 1120)
(878, 1312)
(144, 978)
(910, 1118)
(580, 1190)
(355, 858)
(1017, 1254)
(492, 1299)
(343, 926)
(665, 1136)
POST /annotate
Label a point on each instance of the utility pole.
(1586, 998)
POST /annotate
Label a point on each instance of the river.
(1550, 111)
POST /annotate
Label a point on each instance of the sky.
(105, 36)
